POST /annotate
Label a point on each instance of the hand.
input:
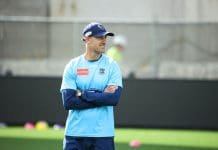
(110, 89)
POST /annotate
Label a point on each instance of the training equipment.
(3, 125)
(135, 143)
(58, 127)
(41, 125)
(29, 126)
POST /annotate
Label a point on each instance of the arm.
(69, 98)
(71, 101)
(106, 98)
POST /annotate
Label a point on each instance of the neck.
(90, 55)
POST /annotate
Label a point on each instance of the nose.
(104, 40)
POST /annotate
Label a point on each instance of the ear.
(87, 39)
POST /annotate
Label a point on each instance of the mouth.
(102, 46)
(103, 43)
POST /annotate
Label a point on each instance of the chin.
(102, 50)
(98, 52)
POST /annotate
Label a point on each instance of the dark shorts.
(88, 143)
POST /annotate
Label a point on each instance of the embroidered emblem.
(101, 71)
(100, 26)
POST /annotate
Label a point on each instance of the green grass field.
(15, 138)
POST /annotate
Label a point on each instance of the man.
(119, 45)
(91, 86)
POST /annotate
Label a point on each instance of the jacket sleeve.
(102, 98)
(71, 101)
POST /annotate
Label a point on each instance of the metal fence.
(155, 49)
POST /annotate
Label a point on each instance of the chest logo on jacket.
(82, 71)
(101, 71)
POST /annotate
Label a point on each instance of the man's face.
(97, 44)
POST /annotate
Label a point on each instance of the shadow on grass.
(49, 144)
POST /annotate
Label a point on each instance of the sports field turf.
(152, 139)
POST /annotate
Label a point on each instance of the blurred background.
(170, 64)
(166, 39)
